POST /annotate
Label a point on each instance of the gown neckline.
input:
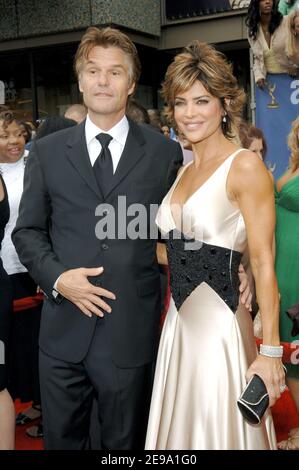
(285, 184)
(197, 190)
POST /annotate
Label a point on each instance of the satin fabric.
(205, 348)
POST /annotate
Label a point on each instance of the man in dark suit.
(99, 324)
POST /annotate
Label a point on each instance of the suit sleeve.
(31, 234)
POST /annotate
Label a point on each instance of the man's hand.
(74, 286)
(244, 288)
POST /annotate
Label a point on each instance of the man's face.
(105, 82)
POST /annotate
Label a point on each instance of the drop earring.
(224, 118)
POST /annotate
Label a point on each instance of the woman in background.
(23, 382)
(267, 33)
(252, 138)
(287, 263)
(7, 410)
(292, 41)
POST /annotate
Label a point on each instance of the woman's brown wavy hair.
(293, 143)
(201, 61)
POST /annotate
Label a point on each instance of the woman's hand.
(294, 72)
(261, 83)
(271, 371)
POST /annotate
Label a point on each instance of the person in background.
(287, 264)
(76, 112)
(292, 42)
(27, 131)
(155, 118)
(23, 374)
(252, 138)
(287, 6)
(137, 112)
(7, 410)
(53, 124)
(165, 129)
(267, 35)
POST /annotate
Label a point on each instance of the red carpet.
(23, 442)
(284, 412)
(284, 415)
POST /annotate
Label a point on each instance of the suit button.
(105, 212)
(104, 246)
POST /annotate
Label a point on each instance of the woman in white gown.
(216, 206)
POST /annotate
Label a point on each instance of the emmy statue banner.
(277, 105)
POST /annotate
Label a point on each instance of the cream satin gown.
(207, 343)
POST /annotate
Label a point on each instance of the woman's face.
(266, 6)
(256, 146)
(197, 113)
(166, 131)
(12, 142)
(296, 26)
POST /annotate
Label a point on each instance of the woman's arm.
(250, 186)
(162, 253)
(259, 69)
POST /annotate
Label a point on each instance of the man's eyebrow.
(113, 66)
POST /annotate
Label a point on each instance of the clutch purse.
(293, 314)
(254, 400)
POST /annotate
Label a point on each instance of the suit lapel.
(132, 153)
(77, 153)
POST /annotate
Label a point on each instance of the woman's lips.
(14, 151)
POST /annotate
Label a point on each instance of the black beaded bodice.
(216, 266)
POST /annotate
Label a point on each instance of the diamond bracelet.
(271, 351)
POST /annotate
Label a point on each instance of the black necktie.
(103, 167)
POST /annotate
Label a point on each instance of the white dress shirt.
(119, 134)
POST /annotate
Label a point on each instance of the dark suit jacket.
(55, 232)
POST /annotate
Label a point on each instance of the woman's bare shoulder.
(248, 170)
